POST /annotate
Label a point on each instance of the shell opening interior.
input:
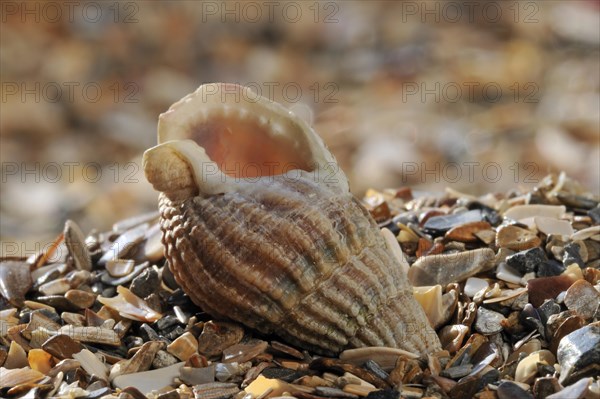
(246, 147)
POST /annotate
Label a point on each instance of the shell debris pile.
(521, 323)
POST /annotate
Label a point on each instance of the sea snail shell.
(259, 226)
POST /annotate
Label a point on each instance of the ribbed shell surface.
(295, 258)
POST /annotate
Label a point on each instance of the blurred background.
(480, 96)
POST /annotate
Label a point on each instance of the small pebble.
(384, 394)
(457, 371)
(172, 394)
(80, 298)
(216, 336)
(510, 390)
(443, 223)
(147, 333)
(283, 374)
(376, 369)
(507, 273)
(576, 201)
(547, 309)
(550, 268)
(488, 322)
(578, 390)
(546, 386)
(165, 322)
(578, 350)
(474, 285)
(145, 283)
(163, 359)
(572, 255)
(595, 214)
(97, 393)
(334, 393)
(527, 261)
(58, 302)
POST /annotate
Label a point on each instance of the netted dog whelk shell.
(259, 226)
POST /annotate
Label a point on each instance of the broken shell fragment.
(183, 347)
(216, 337)
(91, 334)
(141, 361)
(40, 360)
(516, 238)
(125, 243)
(553, 226)
(216, 390)
(450, 268)
(130, 306)
(385, 357)
(75, 243)
(528, 367)
(430, 299)
(14, 377)
(259, 226)
(16, 357)
(520, 212)
(148, 381)
(90, 363)
(15, 280)
(583, 298)
(119, 267)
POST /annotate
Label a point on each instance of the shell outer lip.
(174, 126)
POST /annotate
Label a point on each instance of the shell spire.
(259, 226)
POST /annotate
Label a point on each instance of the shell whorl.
(290, 252)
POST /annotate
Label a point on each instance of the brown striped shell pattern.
(259, 227)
